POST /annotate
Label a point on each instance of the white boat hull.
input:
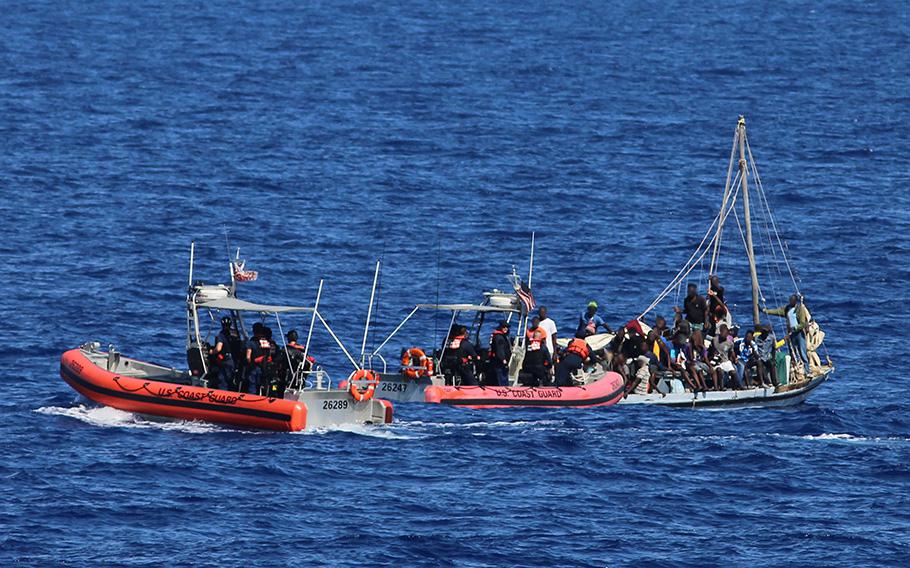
(750, 398)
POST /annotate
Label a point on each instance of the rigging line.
(766, 219)
(766, 211)
(719, 237)
(690, 265)
(771, 215)
(673, 282)
(723, 202)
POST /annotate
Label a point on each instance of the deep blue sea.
(322, 136)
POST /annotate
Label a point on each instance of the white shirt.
(549, 326)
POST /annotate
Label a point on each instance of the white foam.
(107, 417)
(371, 431)
(496, 424)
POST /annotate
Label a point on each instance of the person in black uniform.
(288, 365)
(221, 357)
(258, 357)
(537, 363)
(460, 357)
(500, 354)
(573, 358)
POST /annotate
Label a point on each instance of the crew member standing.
(537, 361)
(460, 357)
(573, 358)
(500, 354)
(258, 356)
(221, 356)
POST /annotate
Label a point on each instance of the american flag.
(241, 275)
(526, 297)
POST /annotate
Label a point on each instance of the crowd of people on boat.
(702, 349)
(258, 365)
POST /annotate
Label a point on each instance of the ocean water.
(321, 136)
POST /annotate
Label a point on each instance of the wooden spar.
(723, 208)
(750, 252)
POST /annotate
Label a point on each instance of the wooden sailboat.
(795, 378)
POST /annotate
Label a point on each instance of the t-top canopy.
(466, 308)
(244, 306)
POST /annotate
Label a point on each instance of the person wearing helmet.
(258, 357)
(590, 321)
(221, 356)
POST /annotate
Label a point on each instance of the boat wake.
(107, 417)
(850, 438)
(387, 432)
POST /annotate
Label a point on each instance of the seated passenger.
(765, 346)
(697, 357)
(747, 359)
(723, 357)
(679, 362)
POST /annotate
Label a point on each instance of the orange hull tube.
(159, 398)
(605, 391)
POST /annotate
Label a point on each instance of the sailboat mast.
(750, 252)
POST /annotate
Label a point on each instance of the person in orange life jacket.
(537, 361)
(460, 357)
(258, 356)
(573, 358)
(500, 354)
(221, 356)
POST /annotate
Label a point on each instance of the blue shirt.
(584, 320)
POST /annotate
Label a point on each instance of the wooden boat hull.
(605, 391)
(751, 398)
(132, 386)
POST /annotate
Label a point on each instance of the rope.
(677, 279)
(771, 216)
(690, 265)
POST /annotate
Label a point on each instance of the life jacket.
(536, 338)
(261, 350)
(491, 354)
(455, 351)
(579, 347)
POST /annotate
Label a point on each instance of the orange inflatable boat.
(145, 388)
(603, 392)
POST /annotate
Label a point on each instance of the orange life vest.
(536, 337)
(579, 347)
